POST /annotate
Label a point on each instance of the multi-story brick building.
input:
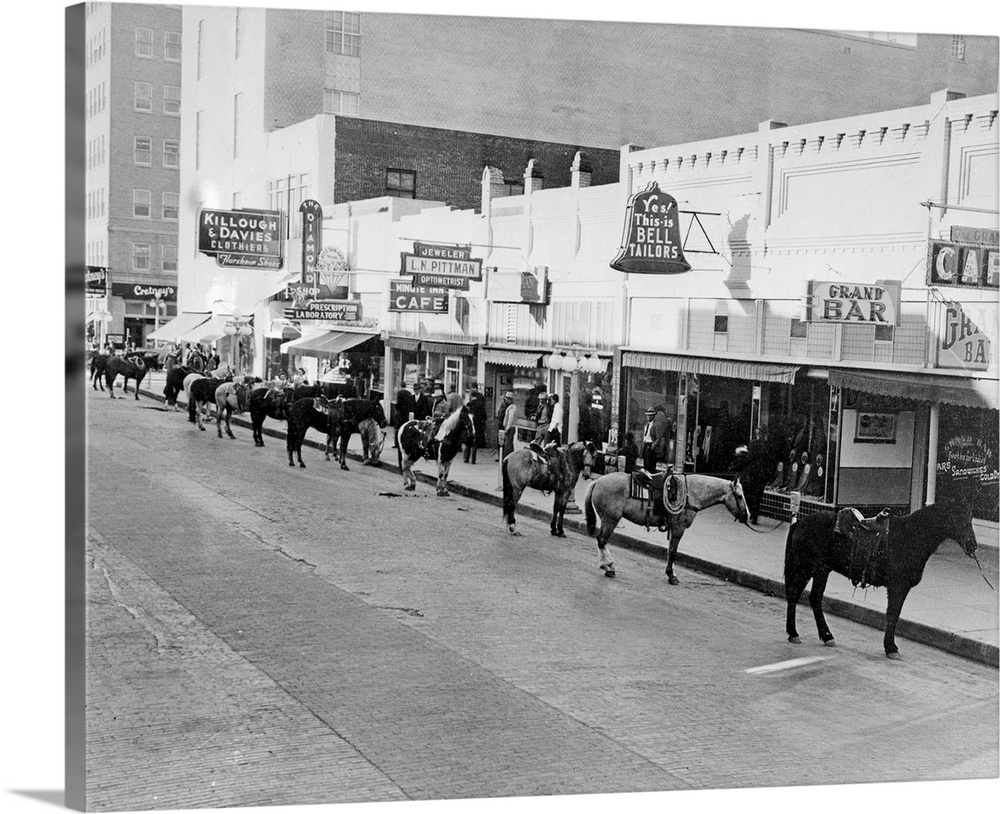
(133, 82)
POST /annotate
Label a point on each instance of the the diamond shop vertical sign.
(651, 239)
(312, 241)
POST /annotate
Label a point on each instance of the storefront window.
(967, 459)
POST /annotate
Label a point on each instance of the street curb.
(953, 643)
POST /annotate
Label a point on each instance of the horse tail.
(508, 493)
(588, 507)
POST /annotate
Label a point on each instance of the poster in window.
(875, 428)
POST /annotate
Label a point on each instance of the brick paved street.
(264, 634)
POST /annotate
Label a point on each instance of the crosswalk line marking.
(785, 665)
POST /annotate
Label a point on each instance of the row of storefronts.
(792, 286)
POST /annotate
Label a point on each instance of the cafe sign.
(963, 265)
(242, 238)
(860, 303)
(962, 344)
(406, 298)
(651, 240)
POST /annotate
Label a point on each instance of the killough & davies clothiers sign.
(651, 240)
(244, 238)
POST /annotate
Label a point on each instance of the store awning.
(981, 393)
(403, 343)
(727, 368)
(325, 342)
(278, 324)
(460, 348)
(180, 324)
(208, 331)
(511, 358)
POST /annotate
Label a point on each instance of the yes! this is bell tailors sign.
(243, 238)
(651, 239)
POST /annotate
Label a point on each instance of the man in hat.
(404, 406)
(421, 402)
(477, 409)
(508, 412)
(650, 442)
(542, 418)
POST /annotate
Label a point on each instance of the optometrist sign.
(651, 240)
(242, 238)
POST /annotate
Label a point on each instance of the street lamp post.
(239, 326)
(156, 302)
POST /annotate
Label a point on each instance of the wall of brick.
(294, 66)
(449, 164)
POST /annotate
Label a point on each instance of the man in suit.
(404, 406)
(508, 413)
(421, 403)
(477, 409)
(650, 445)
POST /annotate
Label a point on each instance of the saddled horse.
(557, 472)
(814, 549)
(416, 442)
(202, 396)
(610, 498)
(329, 390)
(98, 365)
(231, 396)
(152, 359)
(174, 385)
(303, 414)
(129, 369)
(265, 404)
(361, 416)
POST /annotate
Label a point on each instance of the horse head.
(955, 523)
(589, 459)
(736, 502)
(379, 415)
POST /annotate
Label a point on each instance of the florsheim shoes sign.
(244, 238)
(651, 240)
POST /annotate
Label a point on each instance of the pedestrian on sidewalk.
(477, 408)
(554, 434)
(507, 414)
(650, 445)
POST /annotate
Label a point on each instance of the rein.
(973, 555)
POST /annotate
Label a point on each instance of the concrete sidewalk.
(952, 608)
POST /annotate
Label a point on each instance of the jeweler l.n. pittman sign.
(651, 239)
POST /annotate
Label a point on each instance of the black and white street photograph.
(512, 405)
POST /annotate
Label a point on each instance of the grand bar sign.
(864, 303)
(651, 240)
(242, 238)
(962, 345)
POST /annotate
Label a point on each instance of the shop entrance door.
(453, 374)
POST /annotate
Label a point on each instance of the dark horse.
(813, 550)
(98, 365)
(610, 497)
(355, 412)
(202, 395)
(129, 368)
(457, 429)
(303, 414)
(329, 390)
(264, 405)
(557, 473)
(175, 384)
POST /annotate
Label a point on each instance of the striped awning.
(461, 348)
(208, 331)
(325, 342)
(179, 325)
(403, 343)
(982, 393)
(510, 358)
(727, 368)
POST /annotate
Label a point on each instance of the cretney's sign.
(651, 240)
(144, 291)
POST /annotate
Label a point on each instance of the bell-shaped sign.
(651, 240)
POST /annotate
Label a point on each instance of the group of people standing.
(423, 400)
(198, 359)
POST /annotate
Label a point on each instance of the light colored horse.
(229, 397)
(559, 474)
(609, 497)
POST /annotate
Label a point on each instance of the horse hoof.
(608, 570)
(203, 430)
(513, 531)
(795, 640)
(302, 466)
(412, 488)
(673, 580)
(345, 467)
(830, 643)
(443, 493)
(290, 463)
(894, 656)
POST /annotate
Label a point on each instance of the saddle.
(867, 537)
(647, 487)
(548, 458)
